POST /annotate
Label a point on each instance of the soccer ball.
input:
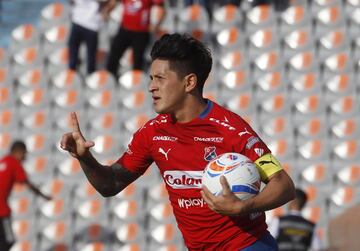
(240, 172)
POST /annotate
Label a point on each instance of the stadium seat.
(24, 36)
(303, 62)
(235, 80)
(224, 17)
(270, 84)
(277, 126)
(347, 150)
(345, 197)
(313, 149)
(329, 18)
(57, 61)
(263, 40)
(105, 122)
(25, 245)
(298, 40)
(339, 85)
(314, 213)
(157, 194)
(338, 63)
(4, 57)
(234, 60)
(275, 105)
(317, 195)
(294, 17)
(333, 41)
(309, 106)
(313, 127)
(56, 37)
(268, 61)
(282, 148)
(134, 122)
(94, 246)
(259, 17)
(6, 99)
(48, 246)
(26, 59)
(168, 24)
(34, 98)
(136, 101)
(95, 231)
(348, 173)
(317, 173)
(346, 129)
(344, 107)
(32, 78)
(161, 212)
(38, 143)
(230, 39)
(129, 233)
(133, 80)
(150, 178)
(39, 167)
(22, 207)
(130, 246)
(127, 211)
(305, 84)
(165, 233)
(57, 231)
(84, 190)
(56, 209)
(6, 76)
(6, 139)
(69, 169)
(8, 119)
(57, 188)
(106, 144)
(24, 229)
(100, 80)
(194, 21)
(64, 80)
(131, 192)
(104, 100)
(54, 14)
(241, 103)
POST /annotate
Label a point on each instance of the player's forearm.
(100, 176)
(279, 190)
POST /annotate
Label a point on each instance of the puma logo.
(263, 162)
(162, 151)
(244, 132)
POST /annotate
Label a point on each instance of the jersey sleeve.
(247, 142)
(137, 157)
(19, 173)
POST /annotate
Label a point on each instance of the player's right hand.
(74, 142)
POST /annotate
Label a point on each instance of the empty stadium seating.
(294, 76)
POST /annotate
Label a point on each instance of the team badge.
(210, 153)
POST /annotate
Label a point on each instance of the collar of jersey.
(209, 106)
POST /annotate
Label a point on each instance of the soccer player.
(189, 132)
(11, 171)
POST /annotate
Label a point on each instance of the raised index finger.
(74, 122)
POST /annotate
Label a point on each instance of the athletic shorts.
(7, 238)
(265, 243)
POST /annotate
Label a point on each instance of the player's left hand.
(226, 203)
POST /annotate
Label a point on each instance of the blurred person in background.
(11, 171)
(292, 231)
(134, 31)
(87, 17)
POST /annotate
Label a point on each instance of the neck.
(191, 109)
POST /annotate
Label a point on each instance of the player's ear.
(191, 82)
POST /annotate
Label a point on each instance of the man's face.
(20, 155)
(167, 89)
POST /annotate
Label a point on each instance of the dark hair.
(300, 197)
(186, 55)
(18, 145)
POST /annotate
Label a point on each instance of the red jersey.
(181, 151)
(136, 15)
(11, 171)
